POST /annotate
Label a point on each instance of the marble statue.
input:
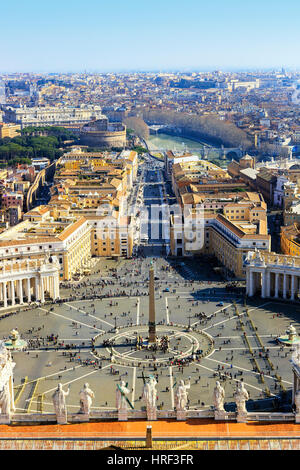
(241, 396)
(5, 402)
(297, 401)
(4, 355)
(219, 396)
(121, 393)
(181, 398)
(86, 396)
(59, 403)
(150, 393)
(6, 384)
(296, 355)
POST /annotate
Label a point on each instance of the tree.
(202, 127)
(138, 126)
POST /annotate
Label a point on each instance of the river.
(165, 142)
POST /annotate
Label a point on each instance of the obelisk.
(152, 326)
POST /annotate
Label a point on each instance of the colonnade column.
(56, 287)
(263, 284)
(268, 284)
(4, 293)
(284, 285)
(276, 285)
(293, 287)
(42, 289)
(21, 290)
(36, 288)
(13, 298)
(28, 290)
(251, 284)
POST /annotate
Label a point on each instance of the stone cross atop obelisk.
(152, 325)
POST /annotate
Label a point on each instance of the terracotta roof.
(162, 429)
(71, 228)
(28, 241)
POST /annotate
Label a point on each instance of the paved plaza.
(73, 342)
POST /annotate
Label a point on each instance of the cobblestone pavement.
(60, 350)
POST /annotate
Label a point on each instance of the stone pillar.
(293, 287)
(122, 414)
(13, 298)
(181, 415)
(36, 288)
(42, 289)
(251, 283)
(152, 326)
(151, 413)
(21, 290)
(51, 289)
(5, 293)
(284, 285)
(268, 284)
(276, 285)
(28, 290)
(56, 287)
(149, 437)
(263, 284)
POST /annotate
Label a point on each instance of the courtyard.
(91, 337)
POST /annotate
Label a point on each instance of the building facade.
(29, 280)
(52, 115)
(272, 276)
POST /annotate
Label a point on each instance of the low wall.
(42, 176)
(112, 415)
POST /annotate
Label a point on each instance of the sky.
(142, 35)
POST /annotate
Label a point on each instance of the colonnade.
(273, 283)
(28, 281)
(272, 275)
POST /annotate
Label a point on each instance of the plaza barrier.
(263, 416)
(105, 415)
(200, 414)
(162, 414)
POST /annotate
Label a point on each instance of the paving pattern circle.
(182, 344)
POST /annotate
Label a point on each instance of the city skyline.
(156, 37)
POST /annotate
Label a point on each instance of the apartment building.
(41, 233)
(219, 217)
(9, 130)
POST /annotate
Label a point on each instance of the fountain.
(15, 343)
(291, 338)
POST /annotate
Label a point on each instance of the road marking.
(223, 321)
(70, 319)
(236, 380)
(217, 311)
(171, 386)
(78, 378)
(51, 375)
(138, 312)
(89, 314)
(167, 310)
(246, 370)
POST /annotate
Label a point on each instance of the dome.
(247, 157)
